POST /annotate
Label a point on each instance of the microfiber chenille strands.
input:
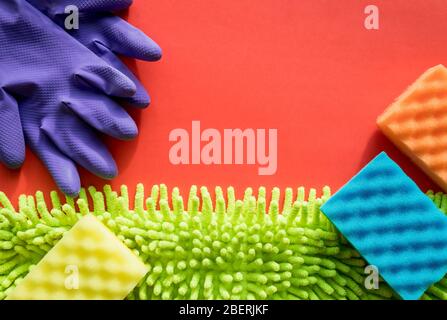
(211, 244)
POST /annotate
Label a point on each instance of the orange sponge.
(417, 123)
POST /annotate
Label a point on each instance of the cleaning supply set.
(60, 87)
(197, 248)
(251, 248)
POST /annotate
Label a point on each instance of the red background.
(308, 68)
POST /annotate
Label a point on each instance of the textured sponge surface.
(417, 123)
(89, 262)
(382, 212)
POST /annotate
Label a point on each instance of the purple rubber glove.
(63, 92)
(107, 35)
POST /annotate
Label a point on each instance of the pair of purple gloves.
(59, 87)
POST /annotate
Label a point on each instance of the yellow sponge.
(89, 262)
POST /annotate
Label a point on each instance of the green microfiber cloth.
(259, 247)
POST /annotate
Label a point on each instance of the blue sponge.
(395, 226)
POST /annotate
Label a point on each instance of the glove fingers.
(62, 169)
(106, 79)
(141, 99)
(124, 39)
(12, 142)
(77, 141)
(105, 115)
